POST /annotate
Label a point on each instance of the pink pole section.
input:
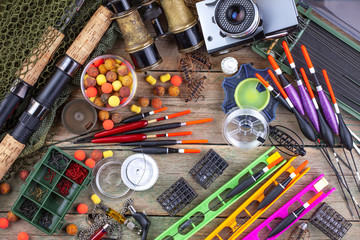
(283, 211)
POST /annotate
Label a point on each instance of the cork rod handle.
(33, 67)
(10, 149)
(90, 36)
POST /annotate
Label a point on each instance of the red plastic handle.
(121, 139)
(123, 128)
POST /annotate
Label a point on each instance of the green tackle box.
(40, 203)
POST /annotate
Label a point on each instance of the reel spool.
(245, 128)
(139, 172)
(79, 117)
(107, 182)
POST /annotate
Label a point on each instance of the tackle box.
(40, 203)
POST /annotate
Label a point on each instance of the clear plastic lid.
(245, 128)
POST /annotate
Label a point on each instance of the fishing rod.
(35, 64)
(13, 143)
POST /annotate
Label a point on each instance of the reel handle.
(10, 149)
(90, 36)
(33, 67)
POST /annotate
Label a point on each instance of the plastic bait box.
(50, 190)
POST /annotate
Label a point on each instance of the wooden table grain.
(172, 167)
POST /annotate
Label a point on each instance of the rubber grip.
(307, 57)
(33, 67)
(7, 107)
(287, 52)
(121, 139)
(10, 149)
(123, 128)
(90, 36)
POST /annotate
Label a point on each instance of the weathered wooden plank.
(158, 225)
(173, 167)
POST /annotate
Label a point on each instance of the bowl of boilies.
(108, 82)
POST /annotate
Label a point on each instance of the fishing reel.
(140, 45)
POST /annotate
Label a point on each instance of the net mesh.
(22, 26)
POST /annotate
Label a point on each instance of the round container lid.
(245, 128)
(251, 93)
(107, 182)
(78, 116)
(139, 172)
(229, 65)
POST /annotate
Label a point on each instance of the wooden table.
(172, 167)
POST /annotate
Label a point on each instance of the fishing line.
(352, 172)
